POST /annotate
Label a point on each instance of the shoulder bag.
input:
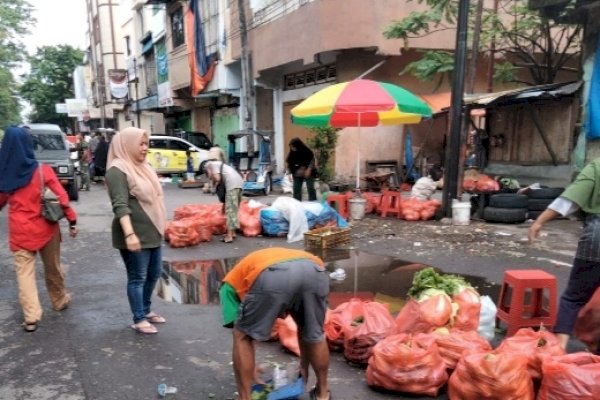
(220, 188)
(52, 211)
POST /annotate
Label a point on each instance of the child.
(190, 167)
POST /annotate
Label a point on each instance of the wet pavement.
(89, 352)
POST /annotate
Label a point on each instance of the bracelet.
(131, 234)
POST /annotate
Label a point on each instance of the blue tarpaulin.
(593, 120)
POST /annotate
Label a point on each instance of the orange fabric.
(243, 275)
(197, 82)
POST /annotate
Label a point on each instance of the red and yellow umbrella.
(361, 103)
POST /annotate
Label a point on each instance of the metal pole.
(453, 150)
(137, 97)
(475, 48)
(246, 81)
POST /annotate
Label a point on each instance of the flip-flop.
(313, 394)
(226, 241)
(29, 327)
(146, 330)
(154, 318)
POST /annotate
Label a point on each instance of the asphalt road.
(89, 352)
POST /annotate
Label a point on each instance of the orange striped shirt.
(243, 275)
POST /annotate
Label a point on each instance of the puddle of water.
(368, 276)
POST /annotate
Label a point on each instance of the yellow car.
(167, 154)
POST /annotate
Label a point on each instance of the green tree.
(529, 49)
(50, 81)
(323, 143)
(15, 20)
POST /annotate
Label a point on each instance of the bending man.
(270, 283)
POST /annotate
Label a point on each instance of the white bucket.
(357, 208)
(461, 213)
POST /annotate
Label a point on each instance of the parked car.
(167, 154)
(51, 147)
(257, 170)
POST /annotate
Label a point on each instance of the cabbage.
(428, 278)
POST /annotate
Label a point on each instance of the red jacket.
(28, 230)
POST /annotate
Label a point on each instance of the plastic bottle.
(280, 378)
(164, 390)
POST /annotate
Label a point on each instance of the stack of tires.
(508, 208)
(539, 199)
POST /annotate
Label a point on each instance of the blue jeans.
(143, 271)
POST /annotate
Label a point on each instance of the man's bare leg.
(318, 357)
(563, 339)
(243, 363)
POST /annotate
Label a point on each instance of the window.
(128, 45)
(177, 145)
(158, 144)
(177, 30)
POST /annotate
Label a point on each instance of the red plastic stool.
(527, 307)
(390, 203)
(340, 203)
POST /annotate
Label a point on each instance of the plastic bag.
(533, 345)
(469, 307)
(287, 183)
(424, 316)
(294, 212)
(452, 344)
(587, 326)
(491, 376)
(249, 217)
(287, 332)
(572, 376)
(340, 319)
(487, 318)
(273, 222)
(359, 338)
(404, 363)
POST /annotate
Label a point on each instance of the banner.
(76, 107)
(165, 98)
(202, 67)
(119, 88)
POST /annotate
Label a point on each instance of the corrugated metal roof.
(555, 90)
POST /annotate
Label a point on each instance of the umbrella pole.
(358, 160)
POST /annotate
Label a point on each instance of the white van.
(167, 154)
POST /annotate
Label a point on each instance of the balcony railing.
(276, 9)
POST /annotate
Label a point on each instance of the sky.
(58, 22)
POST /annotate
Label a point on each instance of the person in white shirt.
(426, 186)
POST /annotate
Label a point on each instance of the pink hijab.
(141, 178)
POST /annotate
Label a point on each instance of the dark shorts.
(298, 288)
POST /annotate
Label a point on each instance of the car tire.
(538, 204)
(508, 200)
(268, 185)
(505, 215)
(533, 214)
(74, 190)
(546, 193)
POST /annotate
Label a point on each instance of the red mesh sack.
(572, 376)
(249, 217)
(287, 332)
(453, 344)
(469, 308)
(424, 316)
(587, 326)
(182, 233)
(491, 376)
(408, 364)
(533, 345)
(486, 184)
(340, 319)
(360, 336)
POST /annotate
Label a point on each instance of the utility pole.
(247, 90)
(137, 96)
(451, 178)
(475, 48)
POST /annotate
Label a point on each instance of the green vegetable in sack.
(427, 278)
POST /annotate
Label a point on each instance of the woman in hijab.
(139, 221)
(22, 178)
(301, 164)
(582, 195)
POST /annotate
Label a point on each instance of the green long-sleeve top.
(124, 203)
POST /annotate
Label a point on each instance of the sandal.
(29, 326)
(313, 394)
(226, 241)
(145, 329)
(154, 318)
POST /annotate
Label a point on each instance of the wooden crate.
(326, 237)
